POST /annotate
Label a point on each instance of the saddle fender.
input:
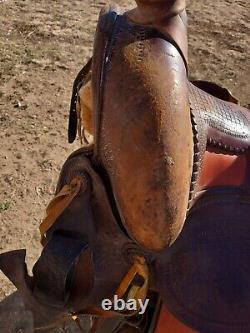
(143, 132)
(73, 273)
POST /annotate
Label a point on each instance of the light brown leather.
(143, 131)
(167, 16)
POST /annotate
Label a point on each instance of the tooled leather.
(199, 141)
(208, 114)
(227, 125)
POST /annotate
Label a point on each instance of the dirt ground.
(43, 44)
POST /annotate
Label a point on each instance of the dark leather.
(73, 273)
(54, 270)
(205, 276)
(91, 220)
(227, 125)
(20, 321)
(14, 267)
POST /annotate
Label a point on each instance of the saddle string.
(57, 206)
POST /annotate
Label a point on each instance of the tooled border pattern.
(211, 141)
(196, 159)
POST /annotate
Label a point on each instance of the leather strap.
(139, 267)
(57, 206)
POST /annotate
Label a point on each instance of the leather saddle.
(136, 200)
(141, 91)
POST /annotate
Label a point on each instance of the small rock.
(17, 104)
(18, 156)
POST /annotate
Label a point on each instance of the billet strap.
(128, 285)
(57, 206)
(79, 81)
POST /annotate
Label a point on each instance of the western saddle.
(159, 202)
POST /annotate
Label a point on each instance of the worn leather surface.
(143, 131)
(73, 273)
(188, 280)
(14, 267)
(217, 125)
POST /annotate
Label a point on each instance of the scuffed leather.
(90, 220)
(143, 131)
(218, 126)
